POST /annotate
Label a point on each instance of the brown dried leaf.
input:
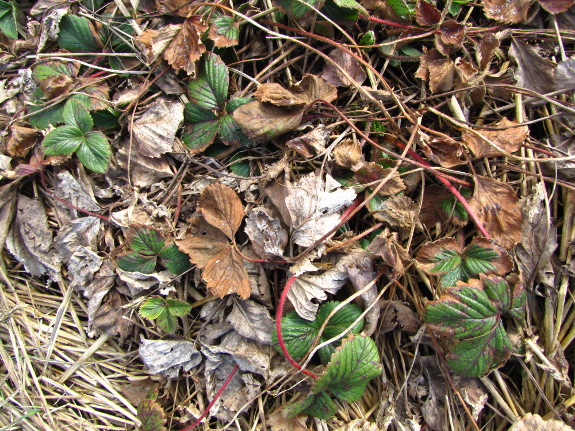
(349, 64)
(222, 208)
(497, 206)
(312, 88)
(155, 131)
(387, 246)
(202, 241)
(8, 193)
(399, 211)
(438, 70)
(426, 13)
(152, 43)
(109, 316)
(311, 144)
(21, 140)
(509, 140)
(531, 422)
(349, 155)
(533, 71)
(509, 11)
(397, 313)
(447, 153)
(98, 90)
(269, 239)
(186, 47)
(259, 120)
(138, 390)
(278, 95)
(280, 421)
(371, 172)
(556, 6)
(225, 274)
(449, 37)
(181, 8)
(144, 171)
(485, 48)
(431, 210)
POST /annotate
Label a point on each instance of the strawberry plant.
(471, 315)
(164, 312)
(8, 19)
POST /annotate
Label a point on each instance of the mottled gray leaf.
(251, 320)
(168, 357)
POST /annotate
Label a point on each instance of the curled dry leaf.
(349, 64)
(186, 47)
(181, 8)
(155, 130)
(168, 357)
(533, 71)
(509, 140)
(225, 273)
(349, 155)
(399, 211)
(266, 233)
(20, 140)
(438, 70)
(531, 422)
(386, 245)
(449, 37)
(222, 208)
(445, 152)
(152, 43)
(426, 13)
(372, 173)
(509, 11)
(497, 207)
(397, 313)
(279, 96)
(312, 143)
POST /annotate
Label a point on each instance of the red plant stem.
(390, 23)
(279, 314)
(210, 405)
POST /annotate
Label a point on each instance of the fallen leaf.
(222, 208)
(311, 144)
(168, 357)
(372, 174)
(397, 313)
(279, 96)
(386, 245)
(426, 14)
(21, 140)
(564, 75)
(181, 8)
(251, 321)
(268, 237)
(534, 422)
(509, 11)
(152, 43)
(71, 190)
(440, 206)
(438, 70)
(349, 155)
(445, 152)
(279, 420)
(111, 316)
(359, 425)
(538, 240)
(485, 49)
(349, 64)
(138, 282)
(533, 71)
(8, 193)
(186, 47)
(509, 140)
(556, 6)
(225, 274)
(151, 415)
(399, 210)
(497, 207)
(266, 121)
(97, 289)
(155, 131)
(144, 171)
(202, 241)
(136, 391)
(309, 290)
(449, 37)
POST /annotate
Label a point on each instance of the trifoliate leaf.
(318, 405)
(95, 152)
(164, 312)
(147, 241)
(63, 140)
(350, 369)
(174, 260)
(224, 31)
(210, 90)
(8, 19)
(76, 35)
(202, 129)
(152, 308)
(135, 262)
(177, 308)
(74, 114)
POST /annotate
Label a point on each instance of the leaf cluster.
(164, 312)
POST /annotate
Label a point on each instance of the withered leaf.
(497, 206)
(279, 420)
(21, 140)
(152, 43)
(556, 6)
(386, 245)
(485, 48)
(222, 208)
(181, 8)
(509, 140)
(449, 37)
(155, 131)
(399, 210)
(426, 13)
(187, 47)
(202, 241)
(312, 143)
(349, 64)
(438, 70)
(266, 233)
(263, 120)
(349, 155)
(396, 313)
(372, 173)
(252, 321)
(151, 415)
(533, 71)
(168, 357)
(445, 152)
(534, 422)
(432, 207)
(509, 11)
(278, 95)
(224, 31)
(312, 88)
(225, 273)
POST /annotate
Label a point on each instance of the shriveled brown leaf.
(222, 208)
(312, 88)
(152, 43)
(280, 421)
(387, 246)
(349, 155)
(509, 11)
(21, 140)
(449, 37)
(399, 210)
(556, 6)
(349, 64)
(202, 241)
(183, 8)
(98, 90)
(138, 390)
(426, 13)
(278, 95)
(438, 70)
(371, 172)
(187, 47)
(225, 274)
(221, 36)
(485, 49)
(109, 316)
(534, 422)
(509, 140)
(312, 143)
(445, 152)
(8, 193)
(397, 313)
(533, 71)
(259, 120)
(497, 206)
(155, 131)
(269, 239)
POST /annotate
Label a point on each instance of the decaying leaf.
(224, 31)
(183, 8)
(202, 241)
(497, 206)
(251, 321)
(279, 420)
(397, 314)
(222, 208)
(349, 64)
(168, 357)
(534, 422)
(438, 70)
(556, 6)
(151, 415)
(225, 273)
(312, 143)
(152, 43)
(509, 140)
(186, 47)
(440, 206)
(398, 210)
(388, 247)
(21, 140)
(445, 152)
(8, 193)
(449, 37)
(509, 11)
(144, 171)
(349, 155)
(155, 131)
(269, 239)
(533, 71)
(373, 174)
(136, 391)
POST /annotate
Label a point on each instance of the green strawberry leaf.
(452, 207)
(147, 241)
(448, 260)
(152, 308)
(151, 415)
(350, 369)
(95, 152)
(63, 140)
(177, 308)
(224, 31)
(46, 116)
(236, 102)
(135, 262)
(76, 35)
(174, 260)
(8, 19)
(299, 334)
(164, 312)
(318, 405)
(400, 8)
(239, 165)
(200, 134)
(297, 9)
(210, 90)
(74, 114)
